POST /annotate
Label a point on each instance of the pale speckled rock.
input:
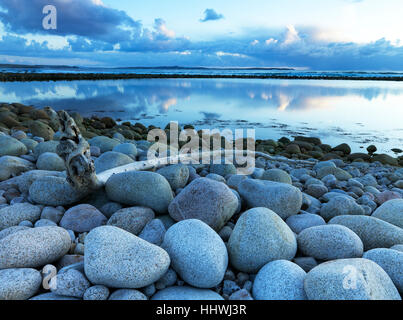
(54, 191)
(98, 292)
(339, 206)
(391, 211)
(282, 198)
(259, 237)
(127, 294)
(103, 143)
(52, 296)
(111, 159)
(82, 218)
(207, 200)
(391, 261)
(330, 242)
(153, 232)
(349, 279)
(11, 166)
(71, 283)
(373, 232)
(280, 280)
(19, 284)
(234, 181)
(132, 219)
(11, 147)
(140, 188)
(12, 215)
(340, 174)
(50, 161)
(303, 221)
(277, 175)
(186, 293)
(177, 175)
(6, 232)
(33, 247)
(118, 259)
(197, 253)
(48, 146)
(223, 169)
(128, 149)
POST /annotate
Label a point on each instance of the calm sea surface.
(357, 112)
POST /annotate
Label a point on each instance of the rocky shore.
(289, 231)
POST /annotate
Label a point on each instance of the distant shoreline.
(27, 77)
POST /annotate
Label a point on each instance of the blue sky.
(312, 34)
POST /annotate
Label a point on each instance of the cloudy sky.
(312, 34)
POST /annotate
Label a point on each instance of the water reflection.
(360, 112)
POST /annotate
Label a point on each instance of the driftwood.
(75, 151)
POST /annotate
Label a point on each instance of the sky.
(306, 34)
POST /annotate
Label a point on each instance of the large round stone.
(282, 198)
(391, 261)
(54, 191)
(349, 279)
(373, 232)
(391, 211)
(11, 166)
(277, 175)
(104, 143)
(13, 215)
(82, 218)
(34, 247)
(19, 284)
(50, 161)
(197, 252)
(11, 147)
(177, 175)
(116, 258)
(132, 219)
(128, 149)
(186, 293)
(280, 280)
(339, 206)
(140, 188)
(260, 236)
(300, 222)
(330, 242)
(207, 200)
(111, 159)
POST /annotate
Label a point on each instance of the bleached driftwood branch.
(75, 151)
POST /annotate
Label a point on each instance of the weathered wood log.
(75, 151)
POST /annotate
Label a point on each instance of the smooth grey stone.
(260, 236)
(19, 284)
(119, 259)
(6, 232)
(339, 206)
(103, 143)
(12, 215)
(306, 263)
(11, 166)
(391, 261)
(284, 199)
(391, 211)
(330, 242)
(132, 219)
(280, 280)
(33, 247)
(128, 149)
(223, 169)
(277, 175)
(303, 221)
(71, 283)
(177, 175)
(186, 293)
(197, 253)
(82, 218)
(98, 292)
(207, 200)
(110, 160)
(10, 146)
(349, 279)
(373, 232)
(127, 294)
(140, 188)
(50, 161)
(153, 232)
